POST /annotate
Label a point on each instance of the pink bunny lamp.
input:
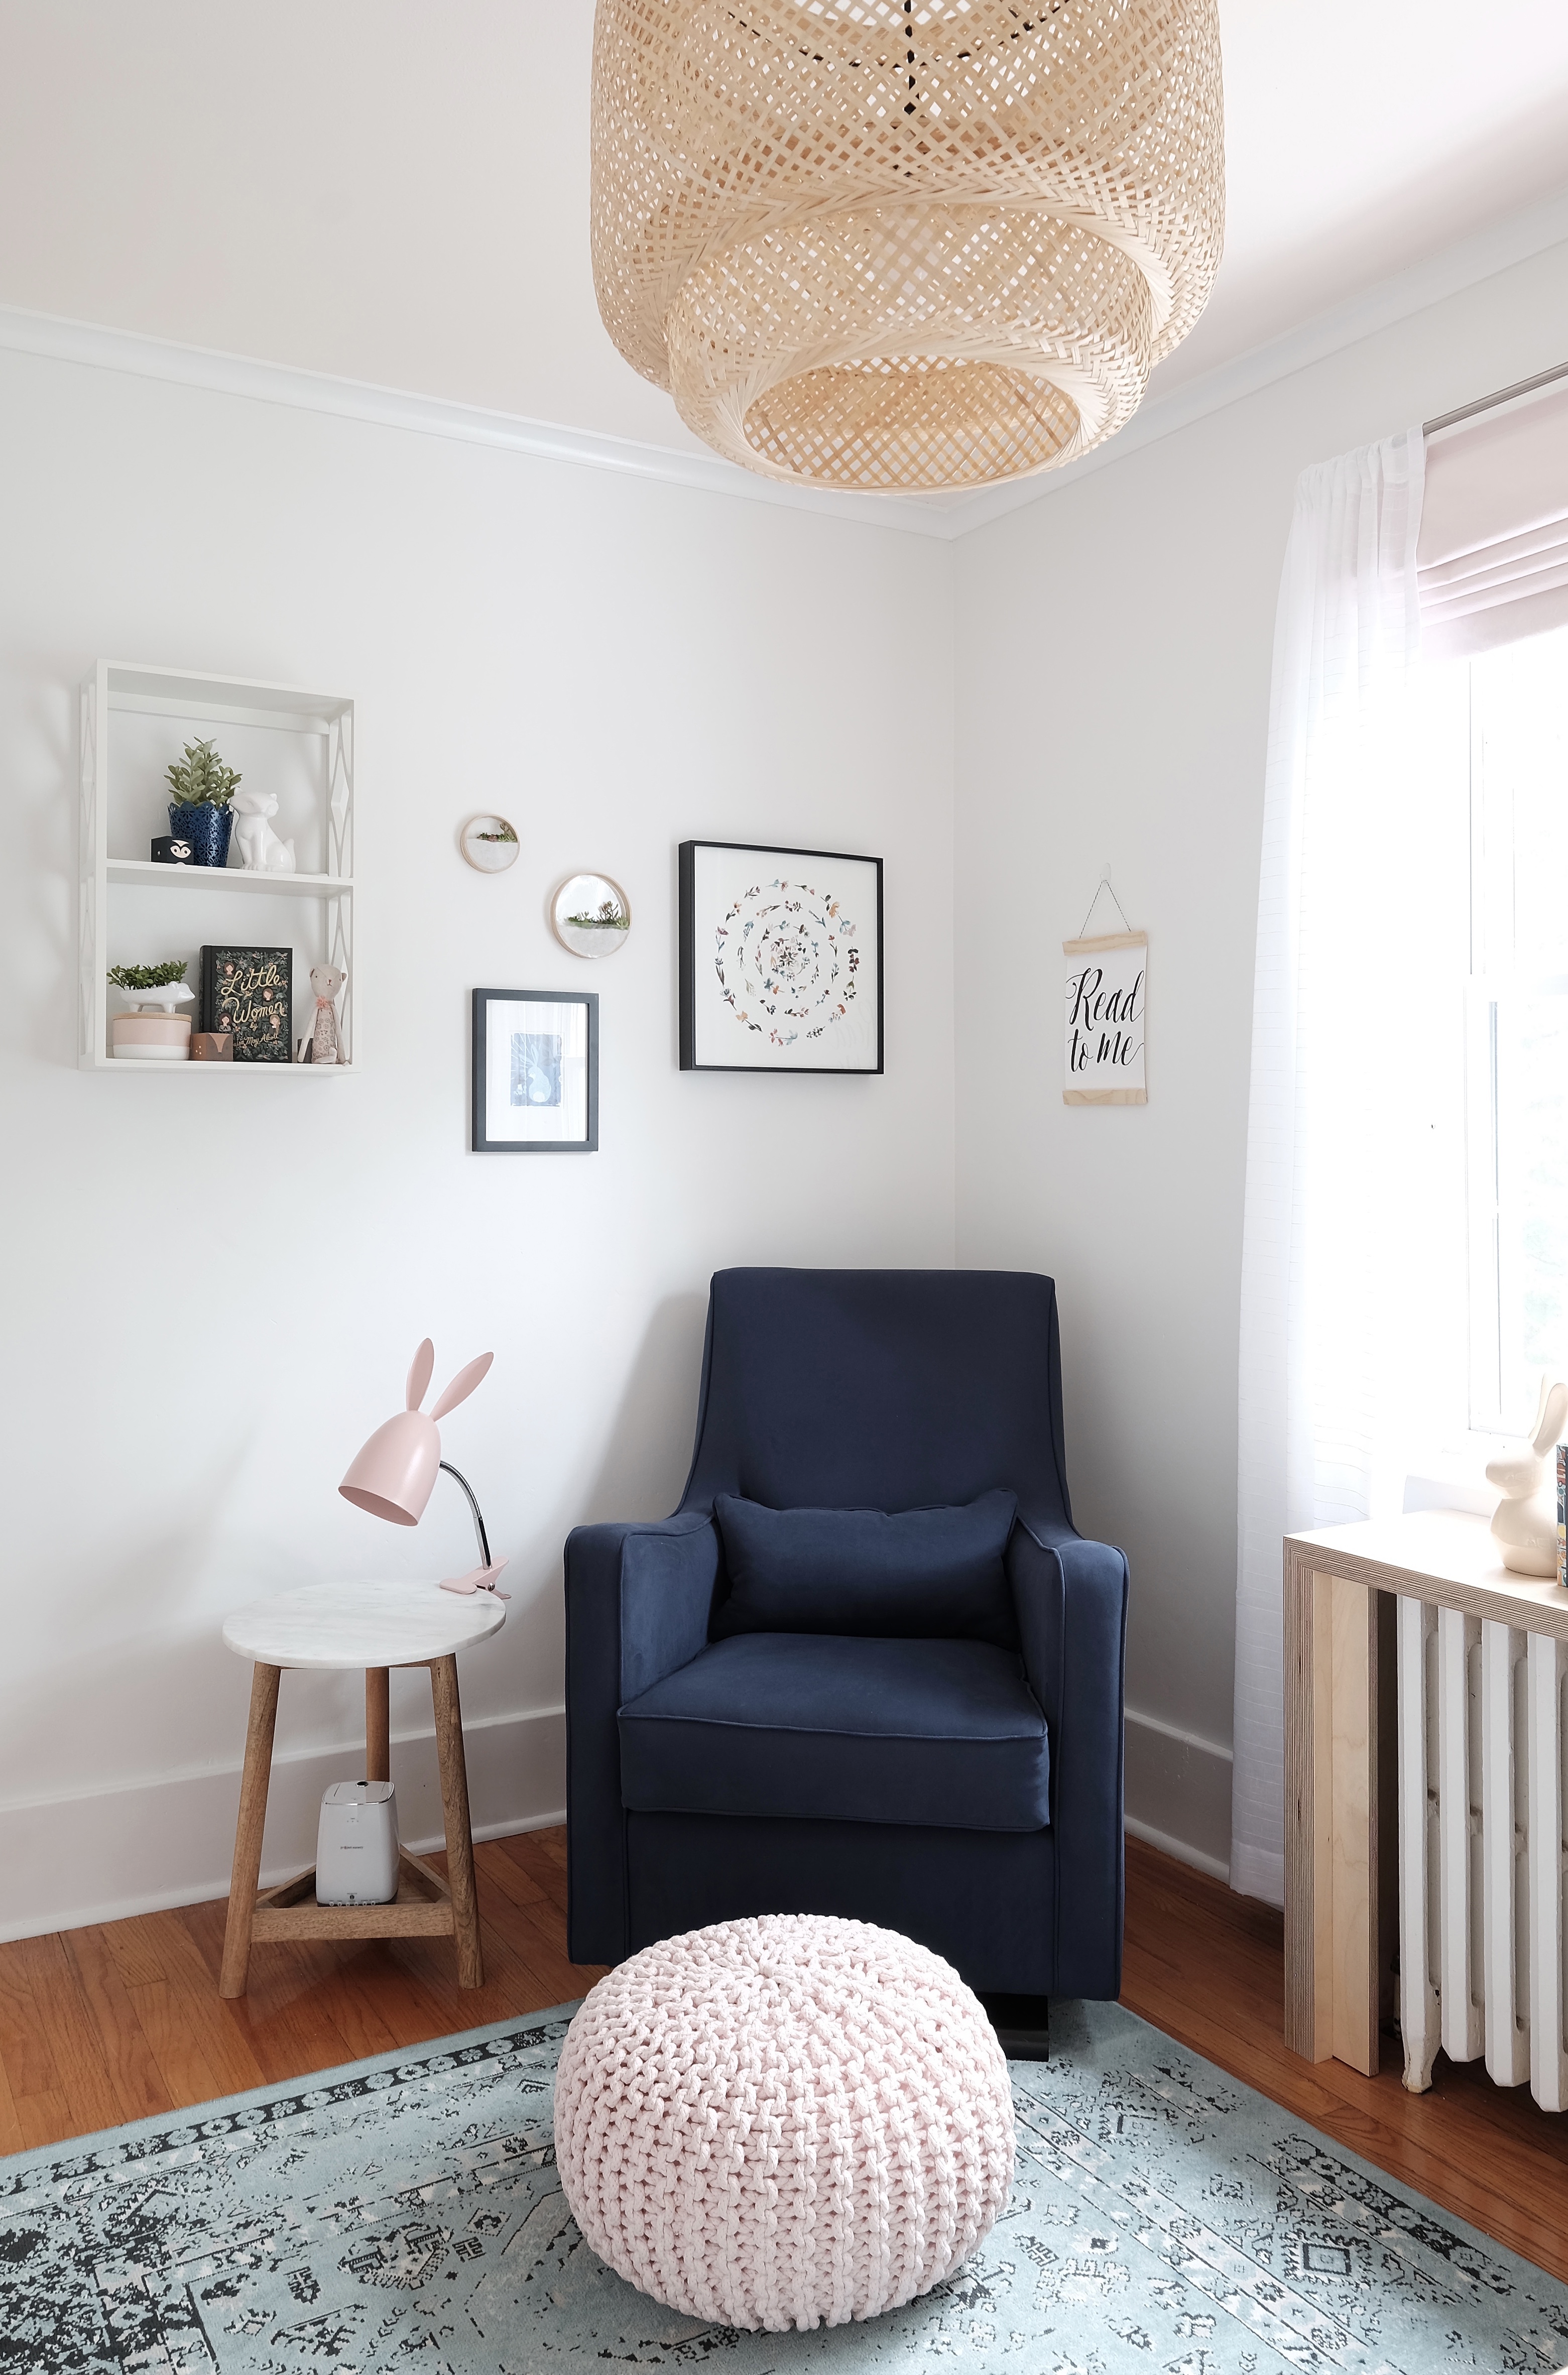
(393, 1474)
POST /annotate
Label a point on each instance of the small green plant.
(201, 779)
(505, 834)
(157, 977)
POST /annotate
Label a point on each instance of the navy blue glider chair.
(776, 1706)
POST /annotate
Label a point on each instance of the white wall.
(1113, 644)
(213, 1287)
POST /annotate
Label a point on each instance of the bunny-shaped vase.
(392, 1476)
(1525, 1522)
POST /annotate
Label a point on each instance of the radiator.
(1482, 1854)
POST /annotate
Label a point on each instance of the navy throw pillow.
(931, 1575)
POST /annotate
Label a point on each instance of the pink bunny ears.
(393, 1474)
(462, 1385)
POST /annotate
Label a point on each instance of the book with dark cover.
(251, 993)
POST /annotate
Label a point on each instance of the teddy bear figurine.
(322, 1044)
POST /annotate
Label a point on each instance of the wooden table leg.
(455, 1808)
(378, 1725)
(248, 1831)
(1332, 1911)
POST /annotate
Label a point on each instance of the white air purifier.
(356, 1844)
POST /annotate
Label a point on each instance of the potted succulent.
(152, 1028)
(199, 811)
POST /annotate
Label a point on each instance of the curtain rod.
(1486, 403)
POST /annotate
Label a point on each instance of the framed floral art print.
(780, 959)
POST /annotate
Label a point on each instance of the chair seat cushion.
(914, 1573)
(838, 1729)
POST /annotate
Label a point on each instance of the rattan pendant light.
(904, 244)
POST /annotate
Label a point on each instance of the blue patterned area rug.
(403, 2214)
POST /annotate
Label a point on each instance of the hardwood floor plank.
(24, 2049)
(534, 1932)
(134, 1947)
(119, 2032)
(11, 2137)
(61, 2013)
(373, 1994)
(547, 1919)
(187, 2076)
(509, 1872)
(283, 2021)
(527, 1849)
(44, 2120)
(550, 1841)
(213, 2039)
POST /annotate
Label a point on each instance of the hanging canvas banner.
(1105, 992)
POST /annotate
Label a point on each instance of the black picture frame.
(690, 925)
(492, 1133)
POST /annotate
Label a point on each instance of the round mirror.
(490, 843)
(591, 915)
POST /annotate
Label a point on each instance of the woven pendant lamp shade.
(904, 244)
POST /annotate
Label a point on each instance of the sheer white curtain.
(1331, 1315)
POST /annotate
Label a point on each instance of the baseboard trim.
(145, 1845)
(1178, 1849)
(1178, 1792)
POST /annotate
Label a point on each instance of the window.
(1516, 1059)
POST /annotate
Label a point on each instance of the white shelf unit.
(135, 719)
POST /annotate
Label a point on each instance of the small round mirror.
(591, 915)
(490, 843)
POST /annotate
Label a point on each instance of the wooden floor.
(105, 2024)
(112, 2024)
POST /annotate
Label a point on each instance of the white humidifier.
(356, 1844)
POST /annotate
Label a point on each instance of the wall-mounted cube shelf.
(135, 719)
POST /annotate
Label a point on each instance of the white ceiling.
(397, 193)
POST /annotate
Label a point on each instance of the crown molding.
(107, 348)
(1474, 258)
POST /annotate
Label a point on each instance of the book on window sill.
(1562, 1517)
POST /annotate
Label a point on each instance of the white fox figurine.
(1525, 1523)
(260, 849)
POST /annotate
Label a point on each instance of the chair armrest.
(1070, 1599)
(638, 1599)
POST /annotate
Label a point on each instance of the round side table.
(376, 1627)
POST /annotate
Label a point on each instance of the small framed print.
(535, 1072)
(780, 959)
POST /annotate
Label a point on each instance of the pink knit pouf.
(791, 2121)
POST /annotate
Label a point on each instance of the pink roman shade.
(1492, 554)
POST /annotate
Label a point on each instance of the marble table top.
(362, 1624)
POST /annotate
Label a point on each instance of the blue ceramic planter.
(205, 828)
